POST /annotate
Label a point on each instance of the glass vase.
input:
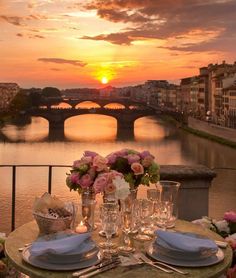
(88, 203)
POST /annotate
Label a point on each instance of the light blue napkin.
(59, 246)
(185, 243)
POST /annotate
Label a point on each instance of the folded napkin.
(59, 246)
(185, 245)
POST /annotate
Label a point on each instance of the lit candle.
(81, 228)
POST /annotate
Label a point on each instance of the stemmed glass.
(110, 222)
(144, 207)
(127, 224)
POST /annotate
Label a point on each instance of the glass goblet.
(110, 223)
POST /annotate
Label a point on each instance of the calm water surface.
(29, 145)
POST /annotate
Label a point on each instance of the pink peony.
(100, 183)
(122, 153)
(111, 158)
(100, 163)
(147, 161)
(85, 181)
(137, 168)
(74, 177)
(132, 158)
(230, 216)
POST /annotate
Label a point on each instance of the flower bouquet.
(112, 184)
(227, 229)
(85, 171)
(137, 167)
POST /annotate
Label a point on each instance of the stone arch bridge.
(125, 118)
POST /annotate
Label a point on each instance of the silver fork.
(141, 261)
(147, 260)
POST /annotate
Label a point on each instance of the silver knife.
(94, 267)
(100, 270)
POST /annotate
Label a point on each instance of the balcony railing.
(195, 182)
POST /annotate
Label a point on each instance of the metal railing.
(13, 183)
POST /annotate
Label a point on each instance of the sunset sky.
(78, 43)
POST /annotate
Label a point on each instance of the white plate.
(214, 259)
(35, 261)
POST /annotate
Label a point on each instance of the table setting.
(124, 232)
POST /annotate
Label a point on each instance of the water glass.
(127, 206)
(165, 214)
(169, 193)
(145, 210)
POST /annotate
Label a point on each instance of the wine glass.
(110, 223)
(127, 224)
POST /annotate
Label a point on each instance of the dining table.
(29, 232)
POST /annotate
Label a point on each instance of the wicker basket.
(49, 225)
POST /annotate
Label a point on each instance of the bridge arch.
(61, 105)
(81, 128)
(115, 105)
(87, 104)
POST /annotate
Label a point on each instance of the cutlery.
(22, 248)
(147, 260)
(221, 244)
(100, 270)
(95, 267)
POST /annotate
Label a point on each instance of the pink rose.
(137, 168)
(145, 153)
(147, 161)
(74, 177)
(86, 159)
(85, 181)
(230, 216)
(133, 158)
(77, 163)
(110, 188)
(100, 163)
(122, 153)
(99, 184)
(91, 154)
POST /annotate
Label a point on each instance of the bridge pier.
(56, 130)
(125, 129)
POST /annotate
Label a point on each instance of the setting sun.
(104, 80)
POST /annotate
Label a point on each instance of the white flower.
(205, 222)
(222, 226)
(122, 188)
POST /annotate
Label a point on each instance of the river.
(170, 145)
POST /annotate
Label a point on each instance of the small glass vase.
(88, 203)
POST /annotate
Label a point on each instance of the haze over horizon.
(75, 43)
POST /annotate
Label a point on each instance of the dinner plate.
(36, 261)
(214, 259)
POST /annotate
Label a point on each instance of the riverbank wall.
(211, 131)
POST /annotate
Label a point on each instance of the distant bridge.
(101, 101)
(125, 118)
